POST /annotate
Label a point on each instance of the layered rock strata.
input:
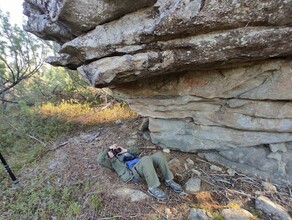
(213, 76)
(231, 116)
(63, 20)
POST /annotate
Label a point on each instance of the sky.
(14, 7)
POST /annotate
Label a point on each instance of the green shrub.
(40, 201)
(25, 135)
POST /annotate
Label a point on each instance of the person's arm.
(115, 164)
(134, 150)
(106, 157)
(122, 170)
(104, 160)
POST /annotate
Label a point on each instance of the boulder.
(199, 214)
(133, 195)
(274, 210)
(255, 161)
(193, 185)
(237, 214)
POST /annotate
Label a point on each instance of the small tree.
(21, 56)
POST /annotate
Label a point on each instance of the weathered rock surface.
(63, 20)
(235, 111)
(133, 195)
(193, 185)
(199, 214)
(209, 74)
(256, 161)
(274, 210)
(237, 214)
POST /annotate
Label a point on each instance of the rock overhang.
(209, 74)
(165, 35)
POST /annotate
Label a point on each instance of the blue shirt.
(131, 163)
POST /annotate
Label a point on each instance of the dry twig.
(241, 193)
(148, 148)
(60, 145)
(30, 136)
(204, 161)
(34, 138)
(93, 137)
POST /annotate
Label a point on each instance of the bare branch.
(22, 54)
(7, 64)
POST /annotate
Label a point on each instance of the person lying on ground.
(130, 167)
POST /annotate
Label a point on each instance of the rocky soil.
(220, 189)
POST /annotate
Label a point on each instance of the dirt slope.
(73, 162)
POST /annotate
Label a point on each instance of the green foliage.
(156, 217)
(217, 216)
(74, 209)
(257, 214)
(25, 78)
(25, 135)
(21, 56)
(27, 123)
(55, 84)
(95, 201)
(46, 128)
(42, 199)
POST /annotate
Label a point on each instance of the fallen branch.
(34, 138)
(205, 161)
(149, 148)
(113, 217)
(241, 193)
(126, 217)
(212, 184)
(30, 136)
(59, 146)
(93, 137)
(56, 148)
(224, 181)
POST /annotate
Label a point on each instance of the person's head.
(116, 149)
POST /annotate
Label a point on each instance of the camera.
(116, 151)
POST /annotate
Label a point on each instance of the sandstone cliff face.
(213, 76)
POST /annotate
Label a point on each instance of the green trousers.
(146, 169)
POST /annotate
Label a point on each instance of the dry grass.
(83, 113)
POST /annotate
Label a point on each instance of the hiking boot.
(174, 186)
(157, 193)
